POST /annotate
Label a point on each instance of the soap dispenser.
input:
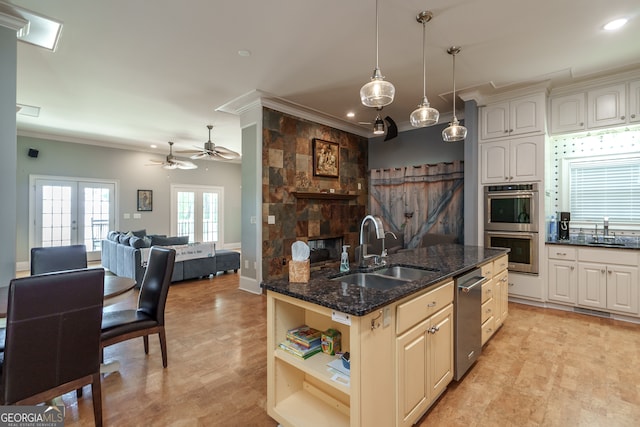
(344, 259)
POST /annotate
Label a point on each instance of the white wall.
(129, 169)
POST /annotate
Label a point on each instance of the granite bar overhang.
(450, 260)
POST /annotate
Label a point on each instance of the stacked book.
(302, 341)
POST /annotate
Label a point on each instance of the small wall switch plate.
(386, 317)
(338, 316)
(271, 219)
(137, 216)
(253, 220)
(359, 186)
(332, 190)
(126, 216)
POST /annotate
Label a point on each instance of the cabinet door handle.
(506, 131)
(622, 117)
(510, 130)
(602, 271)
(633, 116)
(434, 329)
(609, 271)
(572, 267)
(432, 304)
(581, 123)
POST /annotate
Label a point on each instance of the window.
(605, 188)
(197, 213)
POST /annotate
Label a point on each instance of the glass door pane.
(186, 214)
(210, 217)
(56, 220)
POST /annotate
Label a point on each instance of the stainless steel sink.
(371, 280)
(597, 243)
(404, 273)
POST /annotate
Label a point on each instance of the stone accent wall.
(287, 167)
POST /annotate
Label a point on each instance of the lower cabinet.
(425, 364)
(608, 287)
(601, 279)
(495, 296)
(501, 297)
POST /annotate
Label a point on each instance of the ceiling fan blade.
(184, 164)
(200, 155)
(392, 129)
(155, 163)
(170, 166)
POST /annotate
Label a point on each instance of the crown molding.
(256, 97)
(9, 18)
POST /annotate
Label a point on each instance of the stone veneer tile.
(276, 158)
(303, 163)
(314, 228)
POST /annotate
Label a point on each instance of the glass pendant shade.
(378, 92)
(424, 115)
(454, 132)
(378, 126)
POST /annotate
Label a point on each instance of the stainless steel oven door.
(523, 254)
(511, 210)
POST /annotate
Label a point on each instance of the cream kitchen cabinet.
(634, 101)
(516, 160)
(519, 116)
(568, 113)
(424, 352)
(562, 274)
(607, 106)
(495, 296)
(608, 280)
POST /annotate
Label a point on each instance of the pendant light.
(424, 115)
(378, 92)
(455, 132)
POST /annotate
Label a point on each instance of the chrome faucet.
(377, 223)
(605, 233)
(384, 249)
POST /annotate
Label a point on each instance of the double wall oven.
(511, 221)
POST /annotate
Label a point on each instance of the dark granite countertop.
(450, 260)
(629, 243)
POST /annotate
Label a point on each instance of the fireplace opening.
(325, 250)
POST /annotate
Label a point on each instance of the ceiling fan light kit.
(455, 132)
(171, 162)
(424, 115)
(378, 92)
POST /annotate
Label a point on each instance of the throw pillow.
(139, 233)
(138, 242)
(169, 241)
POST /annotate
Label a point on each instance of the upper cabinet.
(519, 116)
(607, 106)
(594, 107)
(516, 160)
(634, 101)
(567, 113)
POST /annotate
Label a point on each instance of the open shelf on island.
(316, 366)
(308, 407)
(327, 196)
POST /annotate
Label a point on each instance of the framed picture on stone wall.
(326, 158)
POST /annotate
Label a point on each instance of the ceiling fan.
(391, 128)
(212, 151)
(172, 162)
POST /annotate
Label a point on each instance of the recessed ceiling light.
(244, 52)
(615, 24)
(351, 114)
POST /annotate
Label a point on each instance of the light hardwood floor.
(542, 368)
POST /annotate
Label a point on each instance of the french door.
(196, 211)
(70, 212)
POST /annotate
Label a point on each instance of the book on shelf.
(300, 350)
(305, 336)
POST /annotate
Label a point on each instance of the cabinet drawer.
(487, 290)
(500, 264)
(609, 256)
(562, 252)
(487, 329)
(411, 312)
(487, 271)
(487, 309)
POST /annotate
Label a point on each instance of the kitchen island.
(400, 340)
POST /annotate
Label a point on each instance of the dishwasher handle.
(466, 287)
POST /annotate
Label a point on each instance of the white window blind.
(605, 188)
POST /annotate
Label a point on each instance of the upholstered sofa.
(123, 254)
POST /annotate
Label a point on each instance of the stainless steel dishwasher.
(468, 321)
